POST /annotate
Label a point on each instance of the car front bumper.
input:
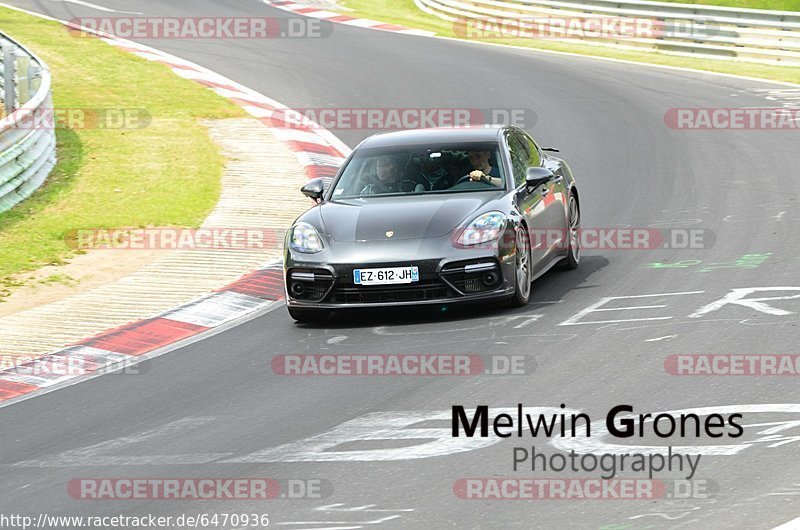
(450, 276)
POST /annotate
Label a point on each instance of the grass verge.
(776, 5)
(405, 13)
(165, 173)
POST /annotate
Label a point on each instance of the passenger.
(389, 178)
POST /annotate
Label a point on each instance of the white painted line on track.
(794, 524)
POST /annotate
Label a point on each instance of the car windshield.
(416, 170)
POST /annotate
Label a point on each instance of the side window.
(535, 159)
(519, 158)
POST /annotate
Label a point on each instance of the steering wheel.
(466, 178)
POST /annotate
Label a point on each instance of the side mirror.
(536, 176)
(314, 189)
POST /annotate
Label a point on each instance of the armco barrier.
(752, 35)
(27, 145)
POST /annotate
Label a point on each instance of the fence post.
(35, 76)
(9, 69)
(23, 77)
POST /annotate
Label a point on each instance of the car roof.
(479, 133)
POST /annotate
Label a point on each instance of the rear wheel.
(522, 270)
(309, 315)
(574, 237)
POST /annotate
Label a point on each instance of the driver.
(388, 177)
(482, 169)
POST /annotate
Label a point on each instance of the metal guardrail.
(767, 37)
(27, 143)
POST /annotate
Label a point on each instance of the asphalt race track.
(217, 409)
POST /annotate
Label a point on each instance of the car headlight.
(305, 238)
(482, 229)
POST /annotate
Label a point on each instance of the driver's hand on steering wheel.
(479, 175)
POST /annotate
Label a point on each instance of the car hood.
(406, 217)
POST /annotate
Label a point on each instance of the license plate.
(386, 276)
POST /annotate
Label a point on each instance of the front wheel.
(522, 284)
(309, 315)
(574, 237)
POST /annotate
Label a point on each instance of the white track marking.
(596, 307)
(657, 339)
(737, 297)
(426, 442)
(666, 516)
(675, 223)
(529, 319)
(792, 490)
(375, 521)
(366, 508)
(340, 509)
(97, 454)
(794, 524)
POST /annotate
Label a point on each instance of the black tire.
(522, 269)
(573, 258)
(309, 315)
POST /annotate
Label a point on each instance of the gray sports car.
(433, 216)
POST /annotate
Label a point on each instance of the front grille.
(310, 285)
(472, 282)
(414, 292)
(315, 291)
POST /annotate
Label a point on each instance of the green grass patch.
(405, 13)
(776, 5)
(166, 173)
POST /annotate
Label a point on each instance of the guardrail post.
(35, 76)
(23, 77)
(9, 69)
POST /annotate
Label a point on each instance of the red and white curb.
(122, 346)
(323, 14)
(319, 152)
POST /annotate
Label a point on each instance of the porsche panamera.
(433, 216)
